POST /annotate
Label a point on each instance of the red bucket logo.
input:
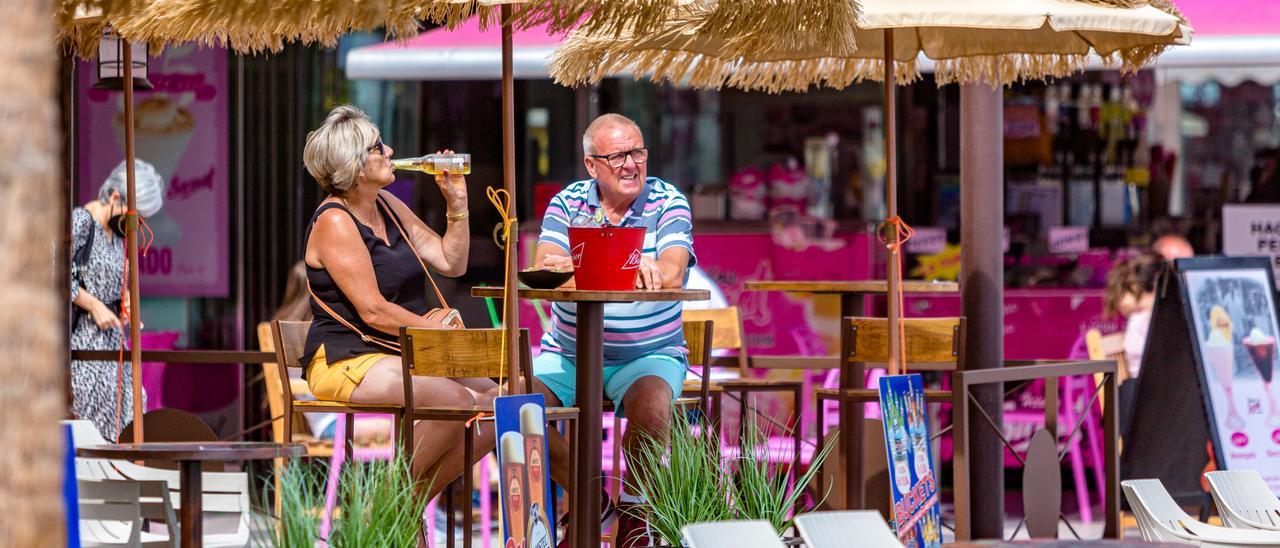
(633, 261)
(576, 255)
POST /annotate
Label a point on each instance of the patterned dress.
(94, 385)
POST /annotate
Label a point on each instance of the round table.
(190, 456)
(585, 504)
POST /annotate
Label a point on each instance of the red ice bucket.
(606, 258)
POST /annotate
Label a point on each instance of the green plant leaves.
(685, 480)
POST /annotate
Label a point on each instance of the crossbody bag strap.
(366, 338)
(403, 235)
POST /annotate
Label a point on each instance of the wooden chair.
(458, 354)
(932, 344)
(699, 337)
(728, 336)
(290, 338)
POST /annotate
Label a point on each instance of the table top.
(194, 451)
(851, 286)
(580, 295)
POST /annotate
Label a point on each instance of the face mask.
(117, 224)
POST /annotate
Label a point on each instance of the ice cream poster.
(1233, 311)
(181, 129)
(913, 484)
(524, 476)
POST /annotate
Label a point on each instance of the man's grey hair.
(148, 186)
(604, 121)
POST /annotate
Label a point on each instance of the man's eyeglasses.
(377, 147)
(615, 160)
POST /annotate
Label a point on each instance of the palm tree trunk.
(32, 340)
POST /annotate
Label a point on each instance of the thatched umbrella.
(252, 26)
(31, 442)
(969, 41)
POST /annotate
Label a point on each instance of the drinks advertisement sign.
(524, 478)
(914, 489)
(1231, 305)
(181, 129)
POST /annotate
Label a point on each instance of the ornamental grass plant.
(687, 480)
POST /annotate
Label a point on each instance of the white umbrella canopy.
(991, 41)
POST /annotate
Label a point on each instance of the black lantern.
(111, 63)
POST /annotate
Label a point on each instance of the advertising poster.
(181, 129)
(1251, 230)
(1230, 304)
(916, 516)
(524, 478)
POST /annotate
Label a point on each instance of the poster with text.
(1230, 304)
(913, 487)
(524, 477)
(1251, 230)
(181, 129)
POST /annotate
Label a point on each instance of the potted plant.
(379, 504)
(687, 481)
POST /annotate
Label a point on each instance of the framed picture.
(1230, 308)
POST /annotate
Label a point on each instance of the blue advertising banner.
(524, 479)
(914, 491)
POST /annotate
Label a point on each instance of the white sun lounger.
(835, 529)
(1161, 520)
(732, 534)
(1244, 499)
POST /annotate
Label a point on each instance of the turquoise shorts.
(560, 375)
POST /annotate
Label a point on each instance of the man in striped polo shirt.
(644, 350)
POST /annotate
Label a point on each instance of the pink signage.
(181, 130)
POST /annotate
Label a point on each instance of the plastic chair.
(1160, 519)
(112, 513)
(1244, 499)
(732, 534)
(224, 492)
(835, 529)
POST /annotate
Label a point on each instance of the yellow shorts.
(336, 381)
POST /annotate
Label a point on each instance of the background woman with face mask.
(97, 282)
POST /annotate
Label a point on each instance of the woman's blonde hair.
(335, 151)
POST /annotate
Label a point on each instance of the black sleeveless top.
(401, 280)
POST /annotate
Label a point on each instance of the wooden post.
(511, 310)
(982, 293)
(891, 201)
(135, 331)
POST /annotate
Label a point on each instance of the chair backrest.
(931, 343)
(1244, 499)
(728, 329)
(732, 534)
(698, 337)
(273, 379)
(457, 353)
(110, 512)
(1152, 503)
(1107, 347)
(290, 340)
(834, 529)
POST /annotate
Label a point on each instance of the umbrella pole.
(135, 333)
(891, 200)
(511, 310)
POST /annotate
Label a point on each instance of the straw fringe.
(683, 54)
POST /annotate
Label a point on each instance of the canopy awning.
(465, 53)
(1236, 41)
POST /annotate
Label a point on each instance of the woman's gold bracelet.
(457, 216)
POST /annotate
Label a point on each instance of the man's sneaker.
(633, 530)
(608, 516)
